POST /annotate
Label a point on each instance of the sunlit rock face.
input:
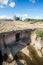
(32, 54)
(37, 42)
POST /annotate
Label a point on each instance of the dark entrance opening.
(1, 58)
(17, 36)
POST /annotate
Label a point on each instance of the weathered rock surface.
(31, 54)
(12, 63)
(38, 44)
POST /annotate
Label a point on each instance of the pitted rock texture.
(37, 42)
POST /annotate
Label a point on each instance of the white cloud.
(12, 4)
(5, 17)
(23, 16)
(1, 6)
(38, 17)
(4, 2)
(33, 1)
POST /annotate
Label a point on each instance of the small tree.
(16, 18)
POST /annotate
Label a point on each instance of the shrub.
(16, 18)
(39, 33)
(26, 20)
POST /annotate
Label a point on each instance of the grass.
(39, 33)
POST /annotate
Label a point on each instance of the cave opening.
(17, 37)
(1, 58)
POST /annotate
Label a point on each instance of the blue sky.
(22, 8)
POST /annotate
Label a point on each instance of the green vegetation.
(16, 18)
(33, 20)
(26, 20)
(39, 33)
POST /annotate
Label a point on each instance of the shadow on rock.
(34, 60)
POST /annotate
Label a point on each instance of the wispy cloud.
(12, 4)
(28, 9)
(22, 15)
(1, 6)
(5, 2)
(5, 17)
(33, 1)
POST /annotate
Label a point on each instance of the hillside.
(32, 54)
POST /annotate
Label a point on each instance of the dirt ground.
(6, 26)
